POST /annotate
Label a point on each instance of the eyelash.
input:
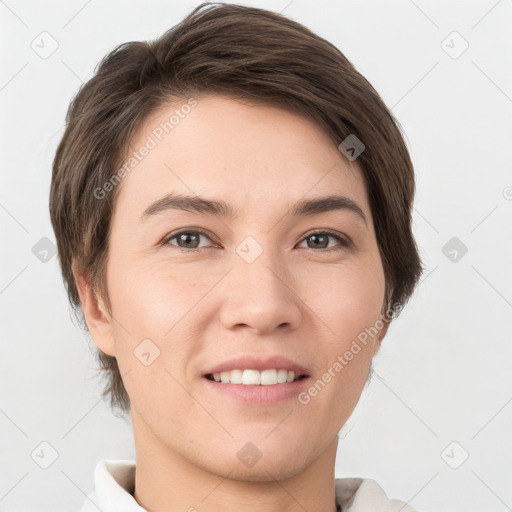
(344, 242)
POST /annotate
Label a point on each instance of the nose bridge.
(263, 272)
(260, 292)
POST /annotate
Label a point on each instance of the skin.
(202, 308)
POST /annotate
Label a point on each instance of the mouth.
(252, 387)
(251, 377)
(255, 379)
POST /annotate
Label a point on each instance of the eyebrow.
(220, 208)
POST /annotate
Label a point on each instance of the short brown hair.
(243, 52)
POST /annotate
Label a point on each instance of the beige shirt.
(114, 482)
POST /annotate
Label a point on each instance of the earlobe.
(383, 331)
(99, 322)
(380, 337)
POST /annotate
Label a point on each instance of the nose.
(260, 296)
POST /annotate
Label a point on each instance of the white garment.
(114, 482)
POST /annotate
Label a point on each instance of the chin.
(258, 462)
(263, 471)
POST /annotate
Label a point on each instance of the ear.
(99, 322)
(382, 333)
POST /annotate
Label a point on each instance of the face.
(191, 290)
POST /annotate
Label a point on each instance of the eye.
(321, 238)
(190, 239)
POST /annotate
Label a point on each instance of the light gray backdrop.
(434, 427)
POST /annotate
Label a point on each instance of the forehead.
(247, 154)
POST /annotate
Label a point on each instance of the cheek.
(149, 299)
(152, 336)
(351, 315)
(350, 309)
(346, 299)
(155, 311)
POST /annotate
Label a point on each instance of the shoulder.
(366, 495)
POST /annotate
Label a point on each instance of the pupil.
(186, 236)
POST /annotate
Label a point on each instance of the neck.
(165, 481)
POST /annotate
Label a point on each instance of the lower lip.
(259, 394)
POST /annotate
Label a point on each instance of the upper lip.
(258, 363)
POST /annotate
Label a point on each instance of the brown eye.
(190, 240)
(320, 240)
(187, 239)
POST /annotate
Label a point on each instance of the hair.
(244, 53)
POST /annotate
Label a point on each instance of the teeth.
(254, 377)
(251, 377)
(282, 376)
(235, 376)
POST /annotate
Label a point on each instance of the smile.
(251, 377)
(253, 387)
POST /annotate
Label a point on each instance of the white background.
(444, 372)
